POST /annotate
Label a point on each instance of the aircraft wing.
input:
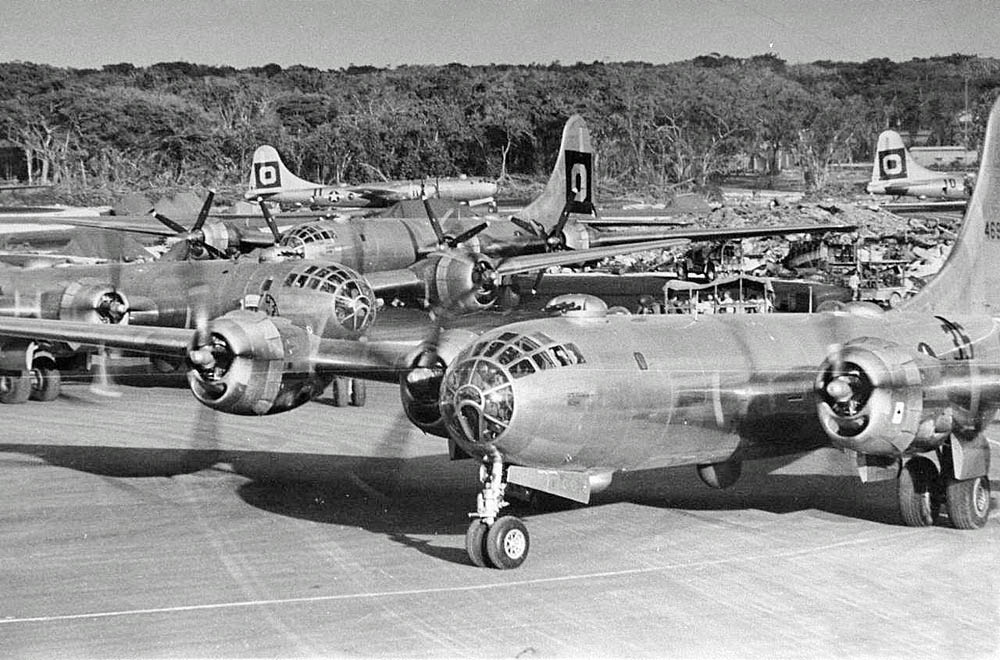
(135, 224)
(601, 238)
(529, 262)
(391, 280)
(377, 360)
(385, 195)
(373, 360)
(144, 339)
(39, 259)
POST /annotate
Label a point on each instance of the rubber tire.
(968, 502)
(475, 543)
(359, 393)
(507, 543)
(917, 491)
(341, 391)
(895, 300)
(46, 385)
(18, 387)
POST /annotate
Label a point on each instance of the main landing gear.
(40, 383)
(348, 392)
(923, 490)
(493, 540)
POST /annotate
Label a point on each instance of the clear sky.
(331, 34)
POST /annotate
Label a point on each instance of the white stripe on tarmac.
(419, 592)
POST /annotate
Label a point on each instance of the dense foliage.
(175, 123)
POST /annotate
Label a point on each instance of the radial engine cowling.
(462, 281)
(259, 365)
(420, 386)
(90, 301)
(875, 397)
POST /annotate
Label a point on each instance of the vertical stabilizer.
(268, 175)
(969, 281)
(893, 165)
(571, 182)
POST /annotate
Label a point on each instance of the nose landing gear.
(493, 540)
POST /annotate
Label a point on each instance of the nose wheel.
(493, 540)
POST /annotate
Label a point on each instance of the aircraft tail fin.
(570, 186)
(969, 280)
(893, 163)
(268, 175)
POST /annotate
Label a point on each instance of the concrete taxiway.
(144, 526)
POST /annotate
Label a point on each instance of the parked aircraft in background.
(896, 173)
(432, 257)
(272, 181)
(559, 405)
(322, 297)
(562, 217)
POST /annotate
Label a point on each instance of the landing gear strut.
(348, 392)
(495, 540)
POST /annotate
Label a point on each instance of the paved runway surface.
(128, 531)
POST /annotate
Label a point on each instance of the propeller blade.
(435, 225)
(538, 282)
(466, 235)
(101, 385)
(269, 219)
(528, 227)
(555, 237)
(214, 251)
(205, 209)
(170, 223)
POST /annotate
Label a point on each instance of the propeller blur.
(560, 405)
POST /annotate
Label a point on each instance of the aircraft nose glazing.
(352, 307)
(478, 401)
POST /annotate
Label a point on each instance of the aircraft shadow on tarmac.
(405, 498)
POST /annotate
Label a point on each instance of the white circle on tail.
(267, 175)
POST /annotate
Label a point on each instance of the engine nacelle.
(462, 281)
(876, 397)
(220, 236)
(420, 386)
(86, 300)
(260, 366)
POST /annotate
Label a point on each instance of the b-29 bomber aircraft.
(907, 392)
(271, 180)
(895, 172)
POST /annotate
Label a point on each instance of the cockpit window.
(538, 351)
(298, 237)
(522, 368)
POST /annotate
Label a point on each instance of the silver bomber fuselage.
(657, 391)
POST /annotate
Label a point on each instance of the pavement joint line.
(6, 621)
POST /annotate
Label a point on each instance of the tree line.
(665, 126)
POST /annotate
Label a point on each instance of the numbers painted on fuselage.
(993, 230)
